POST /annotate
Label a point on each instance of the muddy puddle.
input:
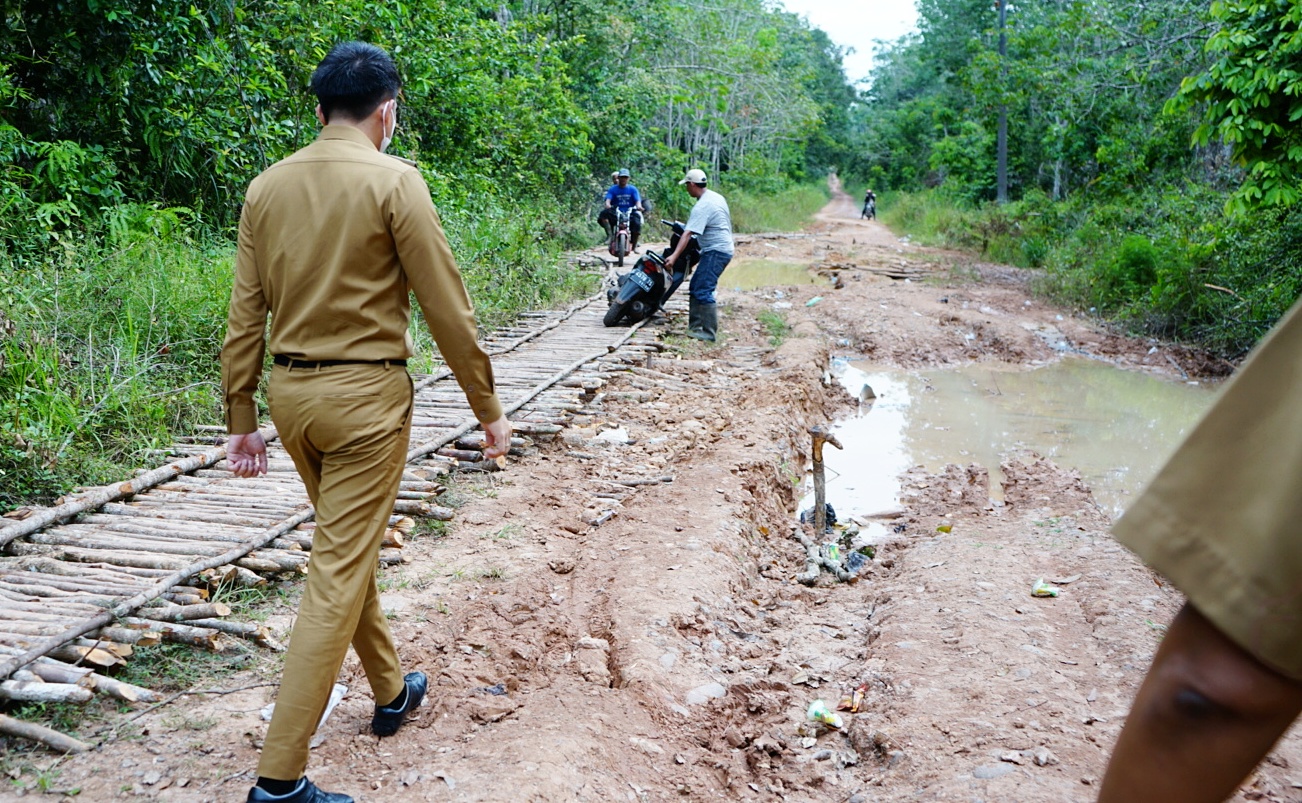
(1115, 427)
(753, 274)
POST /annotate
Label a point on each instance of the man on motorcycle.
(869, 205)
(623, 196)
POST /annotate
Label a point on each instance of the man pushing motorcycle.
(620, 197)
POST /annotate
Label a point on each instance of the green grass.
(110, 342)
(775, 326)
(788, 210)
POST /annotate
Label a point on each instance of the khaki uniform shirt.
(331, 240)
(1221, 518)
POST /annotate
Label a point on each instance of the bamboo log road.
(84, 582)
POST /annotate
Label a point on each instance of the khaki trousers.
(347, 428)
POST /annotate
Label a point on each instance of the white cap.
(694, 176)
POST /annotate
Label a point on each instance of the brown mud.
(667, 654)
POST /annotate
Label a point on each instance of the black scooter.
(648, 286)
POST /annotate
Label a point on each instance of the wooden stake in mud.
(821, 435)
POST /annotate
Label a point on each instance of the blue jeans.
(706, 276)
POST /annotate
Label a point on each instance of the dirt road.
(668, 654)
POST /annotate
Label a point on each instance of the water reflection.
(1115, 427)
(753, 274)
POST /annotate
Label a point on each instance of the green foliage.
(775, 326)
(1251, 97)
(129, 130)
(789, 209)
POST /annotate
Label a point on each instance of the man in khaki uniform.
(331, 241)
(1220, 521)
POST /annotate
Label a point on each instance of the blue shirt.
(626, 197)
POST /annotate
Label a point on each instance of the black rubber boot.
(702, 321)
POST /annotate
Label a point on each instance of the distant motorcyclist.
(623, 196)
(869, 205)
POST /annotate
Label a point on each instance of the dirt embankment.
(667, 653)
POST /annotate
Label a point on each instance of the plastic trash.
(336, 694)
(819, 712)
(1043, 589)
(811, 302)
(855, 701)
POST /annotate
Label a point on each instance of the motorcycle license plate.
(641, 279)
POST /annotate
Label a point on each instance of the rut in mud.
(667, 654)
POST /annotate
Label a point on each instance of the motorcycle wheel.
(614, 314)
(621, 249)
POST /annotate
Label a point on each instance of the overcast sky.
(856, 24)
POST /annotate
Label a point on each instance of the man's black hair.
(353, 79)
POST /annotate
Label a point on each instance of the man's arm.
(696, 223)
(682, 246)
(433, 275)
(241, 358)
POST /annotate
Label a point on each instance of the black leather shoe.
(387, 720)
(307, 793)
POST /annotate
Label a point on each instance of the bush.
(1162, 261)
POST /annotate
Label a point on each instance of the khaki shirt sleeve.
(433, 275)
(246, 325)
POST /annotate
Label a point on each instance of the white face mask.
(389, 127)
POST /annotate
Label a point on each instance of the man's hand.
(497, 438)
(247, 454)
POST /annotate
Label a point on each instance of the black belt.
(294, 362)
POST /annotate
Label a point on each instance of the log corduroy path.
(84, 582)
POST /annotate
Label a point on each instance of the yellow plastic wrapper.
(1043, 589)
(819, 712)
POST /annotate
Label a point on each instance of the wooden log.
(93, 499)
(424, 486)
(284, 560)
(183, 599)
(81, 654)
(68, 610)
(123, 690)
(182, 613)
(52, 671)
(128, 635)
(99, 643)
(258, 634)
(424, 509)
(119, 557)
(52, 739)
(8, 614)
(403, 524)
(48, 646)
(35, 592)
(69, 583)
(391, 557)
(202, 637)
(191, 515)
(17, 627)
(461, 454)
(238, 576)
(293, 542)
(60, 537)
(260, 566)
